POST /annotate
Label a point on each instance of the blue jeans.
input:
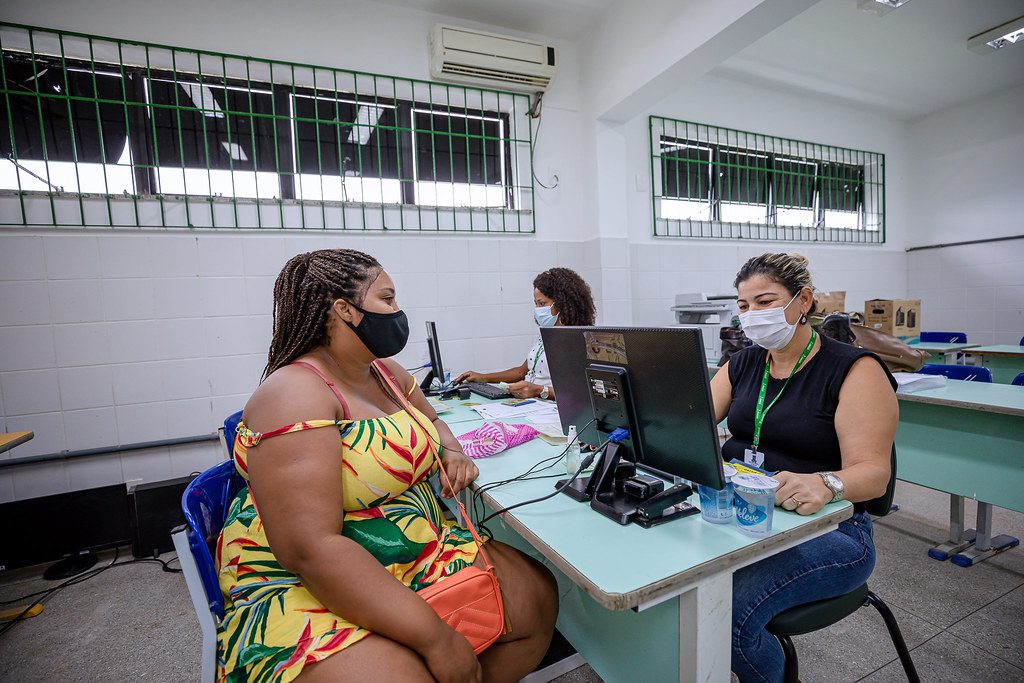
(823, 567)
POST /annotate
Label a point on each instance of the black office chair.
(813, 616)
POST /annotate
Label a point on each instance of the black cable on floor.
(80, 578)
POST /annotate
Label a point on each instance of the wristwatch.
(834, 484)
(545, 391)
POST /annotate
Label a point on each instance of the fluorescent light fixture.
(367, 117)
(999, 37)
(880, 7)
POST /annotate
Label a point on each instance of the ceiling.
(567, 19)
(908, 63)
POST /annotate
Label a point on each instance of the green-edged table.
(638, 604)
(942, 352)
(967, 439)
(1005, 361)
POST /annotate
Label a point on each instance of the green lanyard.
(536, 359)
(761, 411)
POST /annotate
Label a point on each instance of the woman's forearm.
(864, 480)
(516, 374)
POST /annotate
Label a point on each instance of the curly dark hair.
(307, 287)
(570, 293)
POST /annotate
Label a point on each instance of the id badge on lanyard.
(753, 458)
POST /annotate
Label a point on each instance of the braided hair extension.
(304, 292)
(571, 295)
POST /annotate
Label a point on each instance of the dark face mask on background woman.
(383, 334)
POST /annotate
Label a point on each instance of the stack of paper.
(911, 381)
(534, 411)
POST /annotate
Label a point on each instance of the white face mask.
(768, 327)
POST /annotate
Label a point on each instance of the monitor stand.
(604, 498)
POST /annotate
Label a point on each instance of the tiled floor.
(136, 622)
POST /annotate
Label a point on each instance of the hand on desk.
(803, 493)
(525, 389)
(469, 376)
(460, 469)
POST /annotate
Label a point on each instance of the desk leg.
(959, 538)
(986, 545)
(705, 630)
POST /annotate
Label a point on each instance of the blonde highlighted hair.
(789, 270)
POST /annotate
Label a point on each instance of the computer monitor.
(663, 376)
(436, 366)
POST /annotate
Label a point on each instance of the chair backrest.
(944, 337)
(970, 373)
(880, 507)
(1018, 380)
(206, 502)
(230, 429)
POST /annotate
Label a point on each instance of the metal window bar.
(96, 131)
(722, 183)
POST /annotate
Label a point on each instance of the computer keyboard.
(491, 391)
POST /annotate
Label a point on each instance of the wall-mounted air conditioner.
(465, 55)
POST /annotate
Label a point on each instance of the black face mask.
(383, 334)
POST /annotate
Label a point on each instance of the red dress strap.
(329, 383)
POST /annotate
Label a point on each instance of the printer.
(708, 313)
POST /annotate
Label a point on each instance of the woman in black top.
(826, 424)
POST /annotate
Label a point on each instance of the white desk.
(638, 604)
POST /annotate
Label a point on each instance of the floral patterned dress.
(273, 626)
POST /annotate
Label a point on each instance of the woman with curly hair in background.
(560, 297)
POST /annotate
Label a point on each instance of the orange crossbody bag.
(470, 599)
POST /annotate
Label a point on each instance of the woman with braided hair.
(316, 579)
(560, 297)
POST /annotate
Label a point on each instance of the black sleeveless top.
(799, 432)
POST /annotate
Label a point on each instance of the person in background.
(560, 297)
(823, 415)
(320, 581)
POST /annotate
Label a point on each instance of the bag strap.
(392, 384)
(329, 383)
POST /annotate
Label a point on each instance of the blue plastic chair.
(969, 373)
(944, 337)
(206, 502)
(230, 429)
(1018, 381)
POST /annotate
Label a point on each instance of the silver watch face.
(834, 483)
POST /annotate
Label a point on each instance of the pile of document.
(532, 412)
(911, 381)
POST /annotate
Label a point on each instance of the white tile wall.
(154, 335)
(975, 288)
(27, 347)
(89, 386)
(22, 259)
(25, 302)
(30, 391)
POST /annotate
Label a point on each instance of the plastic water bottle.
(573, 458)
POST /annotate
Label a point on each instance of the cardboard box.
(830, 302)
(898, 317)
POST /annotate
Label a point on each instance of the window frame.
(514, 181)
(776, 152)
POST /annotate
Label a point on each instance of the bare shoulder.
(291, 394)
(867, 380)
(401, 374)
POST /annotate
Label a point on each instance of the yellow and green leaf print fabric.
(273, 626)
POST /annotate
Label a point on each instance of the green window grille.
(714, 182)
(99, 131)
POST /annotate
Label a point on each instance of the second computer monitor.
(436, 366)
(668, 380)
